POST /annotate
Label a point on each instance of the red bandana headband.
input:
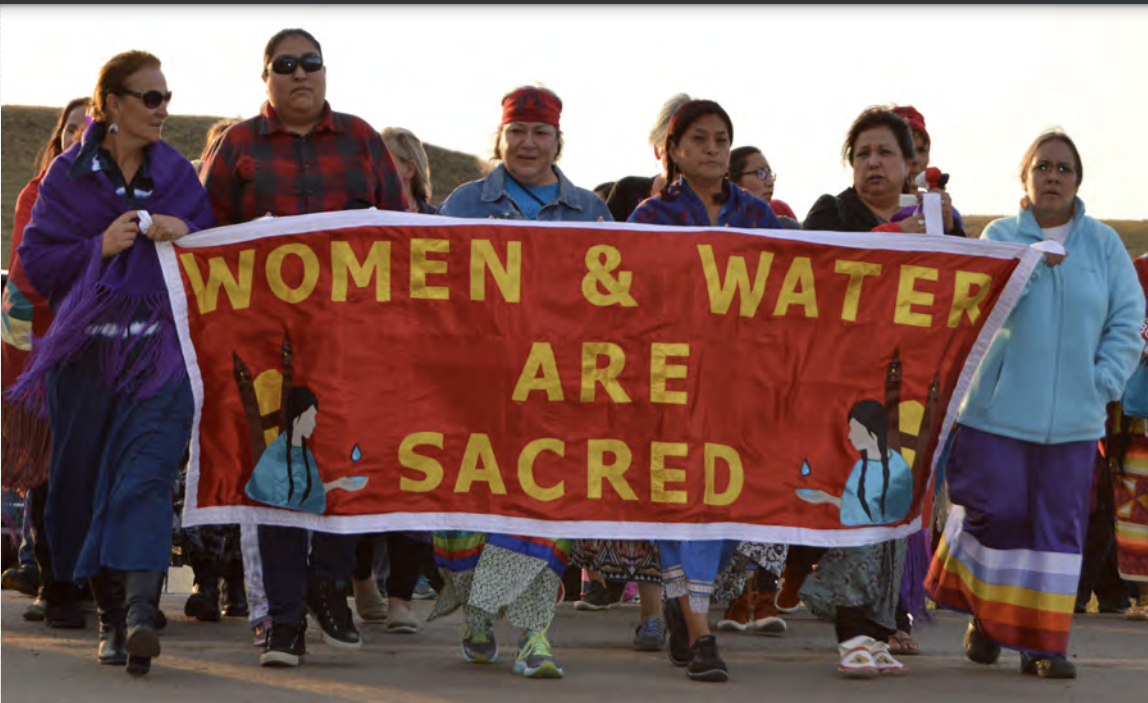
(531, 105)
(915, 119)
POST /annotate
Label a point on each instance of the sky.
(987, 79)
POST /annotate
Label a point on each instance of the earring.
(114, 128)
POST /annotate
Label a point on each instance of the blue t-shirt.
(898, 500)
(527, 204)
(269, 483)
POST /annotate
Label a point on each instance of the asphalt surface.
(215, 662)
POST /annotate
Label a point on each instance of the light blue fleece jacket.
(1070, 343)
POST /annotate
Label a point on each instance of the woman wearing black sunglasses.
(298, 157)
(110, 368)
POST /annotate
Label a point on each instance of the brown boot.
(788, 598)
(766, 618)
(739, 615)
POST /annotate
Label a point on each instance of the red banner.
(368, 371)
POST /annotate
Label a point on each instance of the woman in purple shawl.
(110, 368)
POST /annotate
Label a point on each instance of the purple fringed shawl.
(121, 303)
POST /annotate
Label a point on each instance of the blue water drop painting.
(805, 470)
(356, 454)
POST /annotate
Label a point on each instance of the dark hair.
(604, 189)
(873, 118)
(275, 41)
(114, 75)
(871, 415)
(299, 400)
(738, 159)
(627, 194)
(1044, 138)
(680, 123)
(52, 148)
(498, 134)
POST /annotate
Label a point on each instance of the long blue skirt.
(115, 460)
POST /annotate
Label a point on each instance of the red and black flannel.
(257, 167)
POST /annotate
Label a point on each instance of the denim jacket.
(488, 197)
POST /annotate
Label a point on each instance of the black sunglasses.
(285, 65)
(151, 99)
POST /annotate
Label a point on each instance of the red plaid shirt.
(257, 167)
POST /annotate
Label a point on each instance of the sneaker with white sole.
(856, 660)
(536, 658)
(285, 645)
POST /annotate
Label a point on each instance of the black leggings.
(409, 558)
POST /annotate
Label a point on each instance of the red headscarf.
(915, 119)
(531, 105)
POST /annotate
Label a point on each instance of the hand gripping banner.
(369, 371)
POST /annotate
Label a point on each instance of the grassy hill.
(23, 130)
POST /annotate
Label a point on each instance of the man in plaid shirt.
(298, 157)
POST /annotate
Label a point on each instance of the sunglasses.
(763, 173)
(151, 99)
(285, 65)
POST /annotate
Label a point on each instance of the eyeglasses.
(763, 173)
(151, 99)
(285, 65)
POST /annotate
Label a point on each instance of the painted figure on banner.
(879, 490)
(287, 475)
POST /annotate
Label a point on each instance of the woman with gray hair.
(658, 134)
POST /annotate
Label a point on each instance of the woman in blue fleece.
(1020, 466)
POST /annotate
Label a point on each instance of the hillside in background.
(23, 130)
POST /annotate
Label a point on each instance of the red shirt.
(258, 167)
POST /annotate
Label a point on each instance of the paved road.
(214, 662)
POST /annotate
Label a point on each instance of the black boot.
(111, 608)
(63, 609)
(203, 603)
(235, 598)
(143, 588)
(978, 647)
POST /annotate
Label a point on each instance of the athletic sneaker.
(535, 657)
(285, 645)
(706, 663)
(478, 646)
(650, 635)
(329, 607)
(596, 598)
(260, 631)
(423, 590)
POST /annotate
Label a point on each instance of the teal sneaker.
(535, 657)
(478, 645)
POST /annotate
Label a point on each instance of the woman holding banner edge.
(110, 364)
(1021, 460)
